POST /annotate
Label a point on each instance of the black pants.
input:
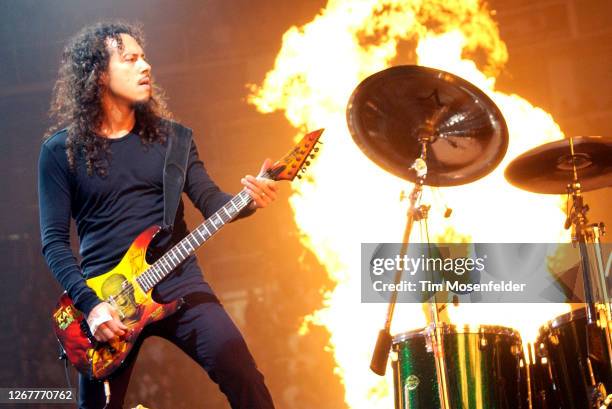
(205, 332)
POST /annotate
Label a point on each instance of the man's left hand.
(262, 190)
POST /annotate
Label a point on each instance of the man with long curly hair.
(104, 169)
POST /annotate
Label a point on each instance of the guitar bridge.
(112, 302)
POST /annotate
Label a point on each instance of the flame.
(348, 200)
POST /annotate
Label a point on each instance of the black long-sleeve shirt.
(110, 212)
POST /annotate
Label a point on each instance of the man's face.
(129, 75)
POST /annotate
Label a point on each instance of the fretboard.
(188, 245)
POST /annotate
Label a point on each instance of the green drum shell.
(484, 369)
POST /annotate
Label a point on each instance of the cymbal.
(390, 111)
(548, 168)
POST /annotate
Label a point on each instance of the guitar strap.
(175, 167)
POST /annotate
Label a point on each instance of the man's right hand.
(104, 322)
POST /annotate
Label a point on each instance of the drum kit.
(433, 128)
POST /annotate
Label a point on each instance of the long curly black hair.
(76, 103)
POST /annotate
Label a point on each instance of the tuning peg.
(307, 163)
(312, 156)
(299, 176)
(316, 149)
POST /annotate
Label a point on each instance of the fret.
(146, 278)
(211, 226)
(189, 239)
(158, 273)
(208, 231)
(144, 282)
(232, 202)
(219, 221)
(244, 200)
(150, 278)
(163, 265)
(196, 242)
(226, 212)
(138, 281)
(168, 261)
(160, 270)
(221, 216)
(146, 285)
(175, 260)
(179, 247)
(160, 262)
(200, 234)
(184, 247)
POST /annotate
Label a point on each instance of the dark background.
(204, 53)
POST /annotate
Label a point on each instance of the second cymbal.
(549, 168)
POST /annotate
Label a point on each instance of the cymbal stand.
(383, 343)
(587, 237)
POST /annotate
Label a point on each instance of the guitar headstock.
(297, 159)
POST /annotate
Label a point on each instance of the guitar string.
(145, 276)
(243, 202)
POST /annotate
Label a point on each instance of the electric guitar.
(129, 285)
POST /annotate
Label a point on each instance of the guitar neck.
(190, 243)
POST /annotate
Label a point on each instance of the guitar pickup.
(112, 302)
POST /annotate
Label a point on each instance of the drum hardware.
(482, 374)
(576, 348)
(431, 128)
(435, 129)
(553, 168)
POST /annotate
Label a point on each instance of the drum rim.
(563, 319)
(449, 329)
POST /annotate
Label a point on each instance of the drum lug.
(483, 341)
(429, 342)
(554, 339)
(516, 350)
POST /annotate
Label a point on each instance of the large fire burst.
(348, 200)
